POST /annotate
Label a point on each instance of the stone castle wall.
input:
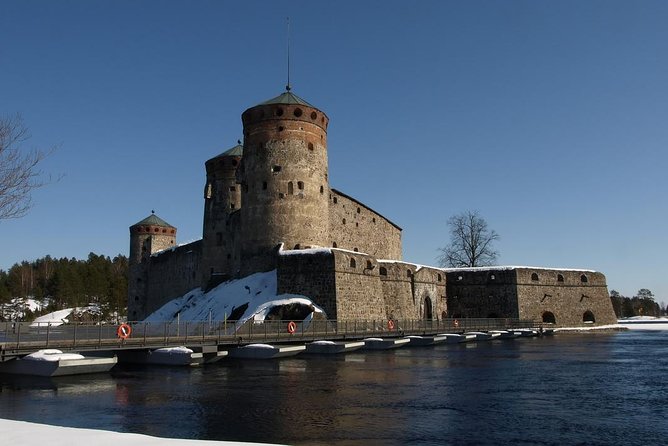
(571, 296)
(356, 227)
(564, 297)
(412, 292)
(171, 274)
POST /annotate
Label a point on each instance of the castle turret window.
(290, 188)
(300, 185)
(353, 264)
(583, 279)
(297, 112)
(534, 277)
(382, 271)
(560, 278)
(276, 169)
(310, 146)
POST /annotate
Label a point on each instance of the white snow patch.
(51, 355)
(174, 350)
(512, 268)
(257, 290)
(323, 343)
(259, 346)
(54, 319)
(24, 433)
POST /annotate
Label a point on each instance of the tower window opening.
(281, 128)
(334, 245)
(344, 221)
(232, 205)
(300, 185)
(297, 112)
(290, 188)
(355, 249)
(264, 185)
(358, 210)
(353, 264)
(335, 200)
(173, 231)
(560, 278)
(314, 115)
(409, 273)
(583, 279)
(164, 231)
(373, 219)
(233, 189)
(369, 265)
(382, 271)
(275, 169)
(322, 190)
(534, 277)
(234, 163)
(310, 146)
(279, 111)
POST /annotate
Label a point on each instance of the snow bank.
(54, 319)
(24, 433)
(51, 355)
(174, 350)
(257, 290)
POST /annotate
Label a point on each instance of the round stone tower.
(222, 197)
(284, 180)
(150, 235)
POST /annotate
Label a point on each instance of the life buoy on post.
(124, 331)
(390, 324)
(292, 327)
(456, 323)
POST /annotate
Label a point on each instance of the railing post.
(186, 328)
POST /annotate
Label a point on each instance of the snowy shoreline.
(20, 433)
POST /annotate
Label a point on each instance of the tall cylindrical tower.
(150, 235)
(284, 180)
(222, 197)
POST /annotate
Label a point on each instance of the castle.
(268, 205)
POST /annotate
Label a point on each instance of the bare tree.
(470, 242)
(19, 172)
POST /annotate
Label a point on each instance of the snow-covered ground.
(257, 290)
(22, 433)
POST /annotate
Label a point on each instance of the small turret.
(148, 236)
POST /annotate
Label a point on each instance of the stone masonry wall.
(354, 226)
(483, 293)
(571, 296)
(310, 274)
(171, 274)
(358, 288)
(412, 292)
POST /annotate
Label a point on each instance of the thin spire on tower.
(288, 87)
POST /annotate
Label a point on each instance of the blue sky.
(549, 118)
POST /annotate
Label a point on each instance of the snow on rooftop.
(54, 319)
(174, 248)
(512, 268)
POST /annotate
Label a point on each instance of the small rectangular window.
(276, 169)
(232, 188)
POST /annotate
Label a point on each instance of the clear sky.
(549, 118)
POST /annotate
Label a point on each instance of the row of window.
(155, 230)
(587, 317)
(560, 278)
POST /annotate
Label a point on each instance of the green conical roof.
(155, 221)
(237, 150)
(287, 98)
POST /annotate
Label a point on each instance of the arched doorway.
(548, 318)
(428, 313)
(588, 317)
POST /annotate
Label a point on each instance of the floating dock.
(51, 362)
(331, 347)
(266, 351)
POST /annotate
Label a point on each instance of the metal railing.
(20, 338)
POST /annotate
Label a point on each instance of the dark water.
(591, 389)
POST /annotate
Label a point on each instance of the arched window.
(382, 271)
(534, 277)
(290, 188)
(583, 278)
(353, 264)
(560, 278)
(369, 265)
(300, 185)
(334, 245)
(588, 317)
(548, 318)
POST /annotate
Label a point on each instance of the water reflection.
(589, 389)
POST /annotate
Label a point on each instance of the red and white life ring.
(390, 324)
(124, 331)
(292, 327)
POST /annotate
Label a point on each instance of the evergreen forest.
(99, 283)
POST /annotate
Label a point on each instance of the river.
(590, 389)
